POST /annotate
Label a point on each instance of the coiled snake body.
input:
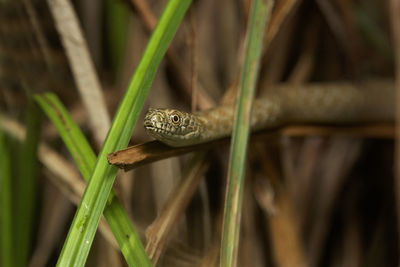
(338, 103)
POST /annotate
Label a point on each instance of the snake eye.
(175, 119)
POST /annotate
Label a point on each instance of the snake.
(326, 103)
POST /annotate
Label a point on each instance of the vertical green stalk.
(260, 11)
(6, 229)
(26, 185)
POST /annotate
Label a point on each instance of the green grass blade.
(84, 225)
(6, 230)
(260, 11)
(26, 188)
(85, 159)
(73, 138)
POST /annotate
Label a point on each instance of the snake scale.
(332, 103)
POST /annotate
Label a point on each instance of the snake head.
(172, 127)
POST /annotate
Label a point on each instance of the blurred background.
(308, 201)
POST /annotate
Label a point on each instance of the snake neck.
(218, 122)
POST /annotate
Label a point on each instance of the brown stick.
(141, 154)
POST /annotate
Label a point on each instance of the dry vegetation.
(311, 197)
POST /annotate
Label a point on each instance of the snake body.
(333, 103)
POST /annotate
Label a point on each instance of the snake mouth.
(162, 134)
(153, 129)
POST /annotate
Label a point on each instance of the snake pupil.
(175, 118)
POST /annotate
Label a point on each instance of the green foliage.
(260, 11)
